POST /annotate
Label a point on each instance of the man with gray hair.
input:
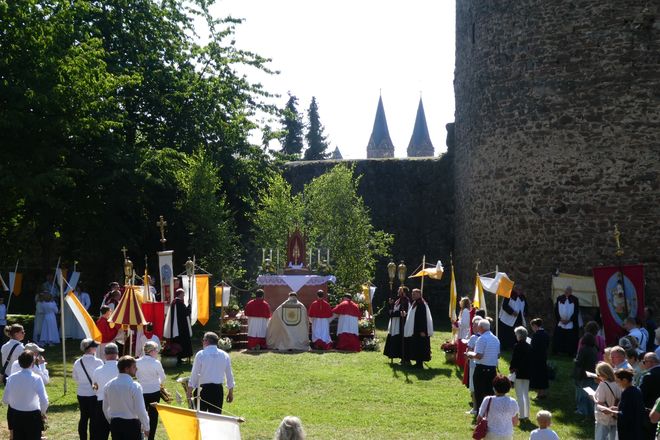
(619, 359)
(486, 354)
(650, 388)
(100, 378)
(211, 368)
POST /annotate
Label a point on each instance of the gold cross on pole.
(161, 224)
(123, 251)
(476, 265)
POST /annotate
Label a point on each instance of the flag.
(218, 296)
(202, 284)
(431, 272)
(15, 283)
(4, 285)
(86, 322)
(166, 276)
(500, 285)
(479, 301)
(189, 285)
(452, 296)
(154, 312)
(197, 425)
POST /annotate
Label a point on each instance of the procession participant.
(464, 324)
(39, 365)
(111, 299)
(630, 324)
(486, 353)
(26, 395)
(11, 349)
(49, 335)
(100, 378)
(418, 331)
(123, 404)
(619, 359)
(512, 315)
(151, 376)
(258, 314)
(538, 379)
(211, 368)
(177, 325)
(397, 313)
(472, 342)
(348, 314)
(567, 311)
(39, 315)
(288, 328)
(145, 335)
(3, 319)
(650, 388)
(83, 368)
(108, 334)
(521, 365)
(320, 315)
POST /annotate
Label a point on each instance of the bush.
(27, 321)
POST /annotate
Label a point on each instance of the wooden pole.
(423, 267)
(497, 311)
(61, 280)
(11, 288)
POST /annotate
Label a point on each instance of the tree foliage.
(317, 142)
(292, 133)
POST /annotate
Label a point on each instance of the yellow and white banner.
(86, 322)
(584, 288)
(500, 285)
(196, 290)
(181, 423)
(452, 296)
(479, 300)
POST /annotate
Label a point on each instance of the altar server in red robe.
(108, 334)
(258, 314)
(348, 312)
(320, 315)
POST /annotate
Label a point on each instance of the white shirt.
(40, 371)
(606, 396)
(150, 374)
(641, 340)
(91, 364)
(211, 365)
(566, 310)
(543, 434)
(347, 324)
(25, 391)
(500, 414)
(123, 399)
(6, 348)
(489, 346)
(102, 375)
(321, 329)
(464, 324)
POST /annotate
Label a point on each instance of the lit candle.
(263, 255)
(310, 257)
(278, 257)
(271, 255)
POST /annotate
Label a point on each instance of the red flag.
(155, 313)
(619, 300)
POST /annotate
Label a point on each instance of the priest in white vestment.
(288, 329)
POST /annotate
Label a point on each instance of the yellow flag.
(452, 296)
(505, 287)
(218, 296)
(202, 285)
(86, 322)
(479, 301)
(179, 423)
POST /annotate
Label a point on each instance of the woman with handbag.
(150, 375)
(607, 395)
(499, 411)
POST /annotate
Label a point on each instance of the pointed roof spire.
(380, 144)
(420, 142)
(336, 155)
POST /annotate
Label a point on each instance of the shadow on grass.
(54, 407)
(418, 373)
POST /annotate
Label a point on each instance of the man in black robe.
(397, 313)
(512, 315)
(177, 325)
(418, 331)
(567, 330)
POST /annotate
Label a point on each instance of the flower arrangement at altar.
(365, 326)
(231, 326)
(224, 344)
(371, 344)
(448, 347)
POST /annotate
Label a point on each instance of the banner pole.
(11, 288)
(497, 310)
(61, 280)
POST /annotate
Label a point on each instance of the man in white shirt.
(486, 355)
(39, 366)
(619, 359)
(630, 324)
(100, 378)
(123, 404)
(83, 368)
(26, 395)
(210, 369)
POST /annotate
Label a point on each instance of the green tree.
(317, 142)
(292, 138)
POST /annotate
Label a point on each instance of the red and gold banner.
(154, 313)
(619, 299)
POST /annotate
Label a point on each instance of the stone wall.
(410, 198)
(557, 138)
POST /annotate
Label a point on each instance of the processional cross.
(123, 251)
(161, 224)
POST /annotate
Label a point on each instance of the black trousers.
(87, 406)
(125, 429)
(212, 394)
(483, 383)
(153, 412)
(26, 424)
(100, 427)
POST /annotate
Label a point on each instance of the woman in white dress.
(49, 335)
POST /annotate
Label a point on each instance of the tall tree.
(317, 142)
(292, 139)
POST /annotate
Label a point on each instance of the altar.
(277, 287)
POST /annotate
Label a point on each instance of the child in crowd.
(544, 419)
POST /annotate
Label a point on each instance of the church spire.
(380, 144)
(420, 142)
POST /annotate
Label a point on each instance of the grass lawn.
(339, 396)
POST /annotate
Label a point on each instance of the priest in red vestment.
(348, 337)
(320, 315)
(258, 314)
(108, 334)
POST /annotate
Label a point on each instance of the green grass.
(341, 396)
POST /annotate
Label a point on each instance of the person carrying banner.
(258, 314)
(320, 314)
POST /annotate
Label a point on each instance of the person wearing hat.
(258, 314)
(123, 404)
(39, 365)
(348, 335)
(177, 325)
(151, 376)
(320, 314)
(102, 375)
(83, 368)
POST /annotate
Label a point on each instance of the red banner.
(154, 313)
(619, 299)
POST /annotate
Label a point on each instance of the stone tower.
(557, 139)
(420, 142)
(380, 145)
(336, 155)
